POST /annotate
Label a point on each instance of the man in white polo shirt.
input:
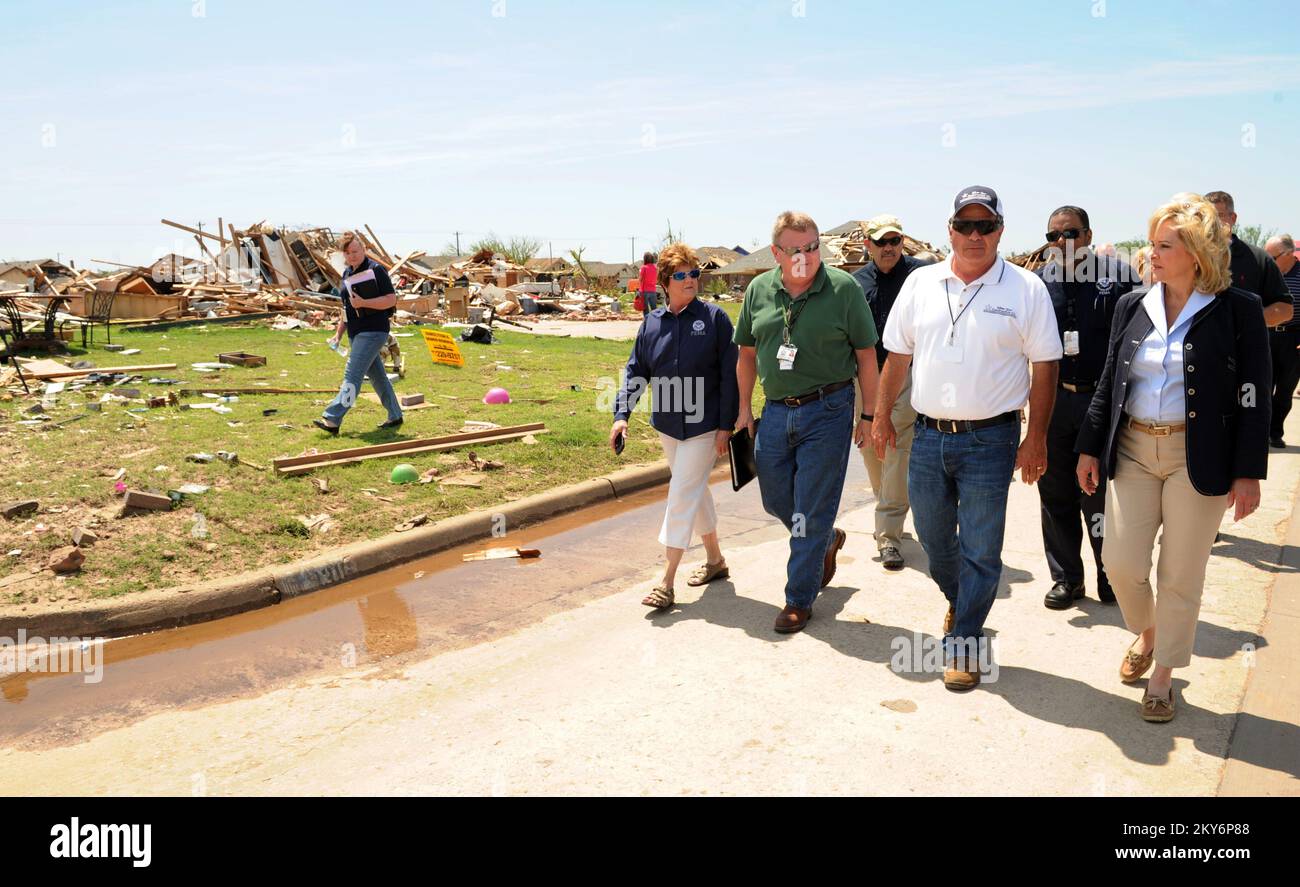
(970, 327)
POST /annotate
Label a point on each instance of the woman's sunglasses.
(1068, 234)
(682, 275)
(983, 226)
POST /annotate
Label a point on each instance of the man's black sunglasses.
(1068, 234)
(983, 226)
(888, 241)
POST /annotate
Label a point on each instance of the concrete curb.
(170, 608)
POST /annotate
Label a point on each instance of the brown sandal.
(659, 597)
(706, 573)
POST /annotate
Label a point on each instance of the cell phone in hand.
(620, 442)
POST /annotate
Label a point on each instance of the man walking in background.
(1084, 288)
(881, 279)
(1284, 339)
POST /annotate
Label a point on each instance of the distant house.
(605, 275)
(545, 266)
(32, 274)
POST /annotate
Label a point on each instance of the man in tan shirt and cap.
(881, 279)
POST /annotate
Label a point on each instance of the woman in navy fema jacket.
(684, 355)
(1180, 422)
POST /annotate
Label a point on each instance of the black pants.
(1286, 373)
(1063, 503)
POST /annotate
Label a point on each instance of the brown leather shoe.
(949, 620)
(828, 565)
(1158, 709)
(792, 619)
(1135, 664)
(959, 679)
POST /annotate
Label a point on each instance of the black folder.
(740, 453)
(364, 286)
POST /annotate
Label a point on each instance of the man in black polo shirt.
(1084, 288)
(1283, 342)
(881, 279)
(1252, 269)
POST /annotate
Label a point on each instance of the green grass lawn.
(250, 515)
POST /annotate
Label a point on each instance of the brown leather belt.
(1153, 429)
(813, 395)
(953, 426)
(1079, 388)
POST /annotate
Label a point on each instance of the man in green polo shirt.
(805, 332)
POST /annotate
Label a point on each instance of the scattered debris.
(137, 499)
(484, 464)
(317, 523)
(321, 484)
(493, 554)
(429, 475)
(22, 508)
(418, 521)
(83, 538)
(242, 358)
(66, 560)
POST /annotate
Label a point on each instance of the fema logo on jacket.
(697, 328)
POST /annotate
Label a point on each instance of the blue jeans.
(802, 454)
(958, 485)
(651, 299)
(363, 360)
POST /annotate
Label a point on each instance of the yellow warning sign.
(443, 348)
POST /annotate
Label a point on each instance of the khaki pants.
(889, 478)
(1151, 489)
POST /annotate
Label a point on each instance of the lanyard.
(952, 330)
(791, 318)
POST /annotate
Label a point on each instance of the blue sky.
(590, 122)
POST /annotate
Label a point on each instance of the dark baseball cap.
(979, 195)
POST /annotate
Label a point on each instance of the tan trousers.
(889, 478)
(1151, 489)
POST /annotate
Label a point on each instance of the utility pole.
(634, 249)
(458, 243)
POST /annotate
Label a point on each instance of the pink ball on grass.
(497, 395)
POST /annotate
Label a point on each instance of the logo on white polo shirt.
(697, 328)
(999, 309)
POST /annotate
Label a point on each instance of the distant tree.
(576, 256)
(521, 249)
(671, 236)
(1255, 235)
(490, 242)
(1131, 244)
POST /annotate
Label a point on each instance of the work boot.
(891, 558)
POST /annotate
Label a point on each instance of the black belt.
(953, 426)
(813, 395)
(1079, 387)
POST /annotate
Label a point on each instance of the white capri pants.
(690, 504)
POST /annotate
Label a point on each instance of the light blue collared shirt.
(1155, 389)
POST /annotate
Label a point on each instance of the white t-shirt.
(977, 367)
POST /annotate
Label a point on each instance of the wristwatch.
(866, 418)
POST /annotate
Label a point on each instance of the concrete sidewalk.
(608, 697)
